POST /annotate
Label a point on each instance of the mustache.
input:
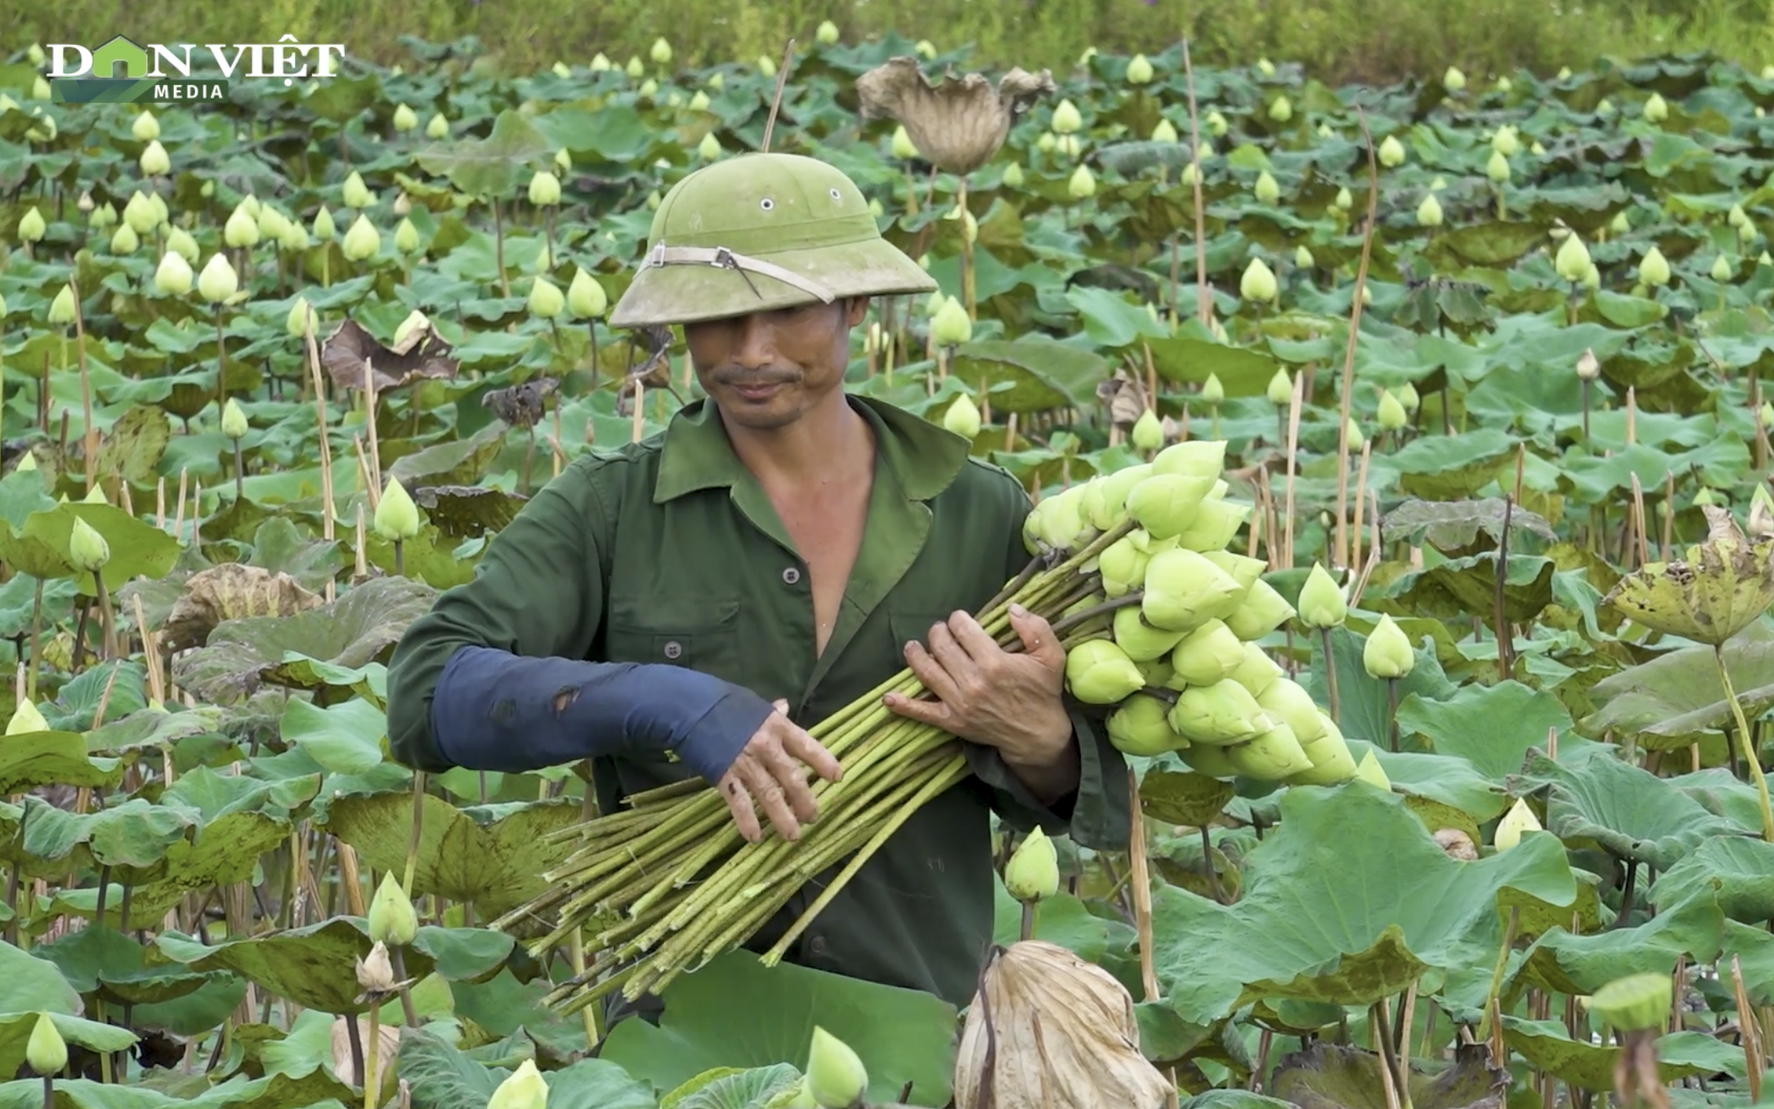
(739, 377)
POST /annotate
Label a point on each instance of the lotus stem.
(1747, 747)
(372, 1056)
(1330, 676)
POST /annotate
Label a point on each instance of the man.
(777, 552)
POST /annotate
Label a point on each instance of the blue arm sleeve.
(494, 710)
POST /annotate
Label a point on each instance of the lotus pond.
(1564, 316)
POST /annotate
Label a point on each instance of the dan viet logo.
(125, 72)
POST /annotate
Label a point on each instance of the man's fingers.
(792, 777)
(739, 804)
(972, 638)
(931, 672)
(768, 794)
(948, 653)
(813, 753)
(934, 713)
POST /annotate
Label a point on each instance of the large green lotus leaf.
(32, 759)
(1110, 319)
(133, 446)
(1465, 587)
(280, 548)
(489, 167)
(1546, 1046)
(359, 627)
(15, 1033)
(1332, 1076)
(314, 1090)
(224, 850)
(36, 985)
(1064, 920)
(1563, 962)
(1722, 793)
(900, 1035)
(1234, 1099)
(104, 960)
(1348, 901)
(53, 841)
(76, 707)
(1676, 698)
(451, 462)
(345, 738)
(442, 1076)
(428, 557)
(1753, 949)
(501, 1005)
(1364, 711)
(1453, 527)
(1490, 726)
(1448, 779)
(1242, 372)
(1737, 872)
(1446, 467)
(137, 548)
(1496, 243)
(1042, 374)
(733, 1088)
(1183, 797)
(1592, 794)
(216, 795)
(197, 1012)
(496, 861)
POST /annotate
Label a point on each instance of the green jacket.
(681, 559)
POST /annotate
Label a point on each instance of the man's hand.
(998, 698)
(771, 773)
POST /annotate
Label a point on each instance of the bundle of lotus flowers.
(1159, 622)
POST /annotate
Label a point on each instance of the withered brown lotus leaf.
(421, 353)
(231, 591)
(958, 124)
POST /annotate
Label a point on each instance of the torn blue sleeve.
(493, 710)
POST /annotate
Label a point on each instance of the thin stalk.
(1751, 757)
(1330, 676)
(372, 1059)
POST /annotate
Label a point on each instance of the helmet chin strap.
(720, 256)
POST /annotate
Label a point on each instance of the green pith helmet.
(760, 232)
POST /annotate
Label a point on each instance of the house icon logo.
(120, 53)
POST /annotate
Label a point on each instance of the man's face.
(765, 370)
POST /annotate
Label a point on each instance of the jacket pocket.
(697, 631)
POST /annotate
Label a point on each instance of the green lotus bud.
(1266, 190)
(1256, 672)
(1746, 232)
(1265, 67)
(1281, 109)
(1013, 177)
(324, 228)
(1537, 150)
(1213, 525)
(61, 309)
(1370, 771)
(1506, 141)
(218, 280)
(1636, 1003)
(1453, 80)
(294, 239)
(1284, 700)
(181, 242)
(1515, 822)
(1262, 611)
(1123, 567)
(1140, 640)
(1504, 84)
(102, 216)
(95, 495)
(1605, 107)
(1722, 270)
(241, 230)
(1206, 655)
(124, 240)
(1165, 504)
(415, 319)
(300, 313)
(1765, 259)
(26, 718)
(1737, 217)
(1620, 225)
(406, 237)
(1204, 758)
(1139, 71)
(405, 119)
(392, 918)
(173, 276)
(766, 65)
(46, 1051)
(1592, 279)
(1183, 590)
(1303, 258)
(827, 34)
(1032, 874)
(1345, 200)
(1653, 268)
(1081, 186)
(1497, 169)
(1056, 522)
(1391, 152)
(31, 226)
(354, 193)
(524, 1089)
(1216, 123)
(1407, 396)
(437, 127)
(661, 52)
(1213, 394)
(950, 326)
(234, 424)
(272, 224)
(1429, 212)
(835, 1076)
(145, 128)
(87, 549)
(1281, 389)
(1219, 714)
(962, 417)
(586, 299)
(1099, 673)
(362, 241)
(154, 160)
(397, 517)
(546, 300)
(1066, 118)
(1388, 651)
(1165, 131)
(1258, 282)
(1572, 259)
(1322, 604)
(1047, 143)
(1271, 757)
(1329, 753)
(1140, 727)
(1194, 458)
(1392, 416)
(1656, 108)
(545, 189)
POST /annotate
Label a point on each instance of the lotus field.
(1456, 385)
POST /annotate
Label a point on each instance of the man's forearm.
(1054, 771)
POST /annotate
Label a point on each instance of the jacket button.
(791, 576)
(673, 649)
(816, 946)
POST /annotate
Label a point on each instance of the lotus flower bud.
(437, 127)
(145, 128)
(1656, 108)
(1588, 367)
(1303, 258)
(1453, 80)
(1165, 131)
(294, 239)
(1722, 270)
(1388, 651)
(406, 237)
(87, 549)
(1266, 190)
(1013, 176)
(1392, 416)
(392, 918)
(1219, 714)
(1256, 672)
(1214, 524)
(405, 119)
(1140, 640)
(324, 228)
(766, 65)
(1213, 394)
(524, 1089)
(362, 241)
(1272, 756)
(1207, 654)
(61, 309)
(1208, 759)
(1123, 567)
(827, 34)
(234, 422)
(1061, 518)
(1517, 820)
(1284, 700)
(835, 1076)
(1746, 232)
(46, 1051)
(354, 193)
(1066, 118)
(218, 280)
(102, 216)
(1081, 186)
(661, 52)
(1258, 282)
(397, 517)
(1281, 389)
(586, 299)
(1344, 199)
(1429, 212)
(1322, 604)
(962, 417)
(1183, 590)
(1099, 673)
(173, 276)
(1391, 152)
(1506, 142)
(301, 313)
(180, 242)
(1140, 727)
(414, 319)
(272, 224)
(1329, 754)
(1032, 874)
(950, 326)
(1653, 268)
(1195, 458)
(124, 240)
(26, 718)
(1370, 771)
(1572, 260)
(1165, 504)
(31, 226)
(154, 160)
(1262, 611)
